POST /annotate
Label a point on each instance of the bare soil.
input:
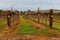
(7, 35)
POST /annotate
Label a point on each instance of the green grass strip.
(26, 27)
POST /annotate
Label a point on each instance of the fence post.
(8, 18)
(51, 18)
(38, 15)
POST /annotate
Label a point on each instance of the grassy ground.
(48, 32)
(2, 24)
(26, 27)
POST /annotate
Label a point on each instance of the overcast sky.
(29, 4)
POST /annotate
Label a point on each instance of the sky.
(30, 4)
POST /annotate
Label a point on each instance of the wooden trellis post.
(38, 14)
(51, 18)
(8, 18)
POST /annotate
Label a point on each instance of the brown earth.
(8, 35)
